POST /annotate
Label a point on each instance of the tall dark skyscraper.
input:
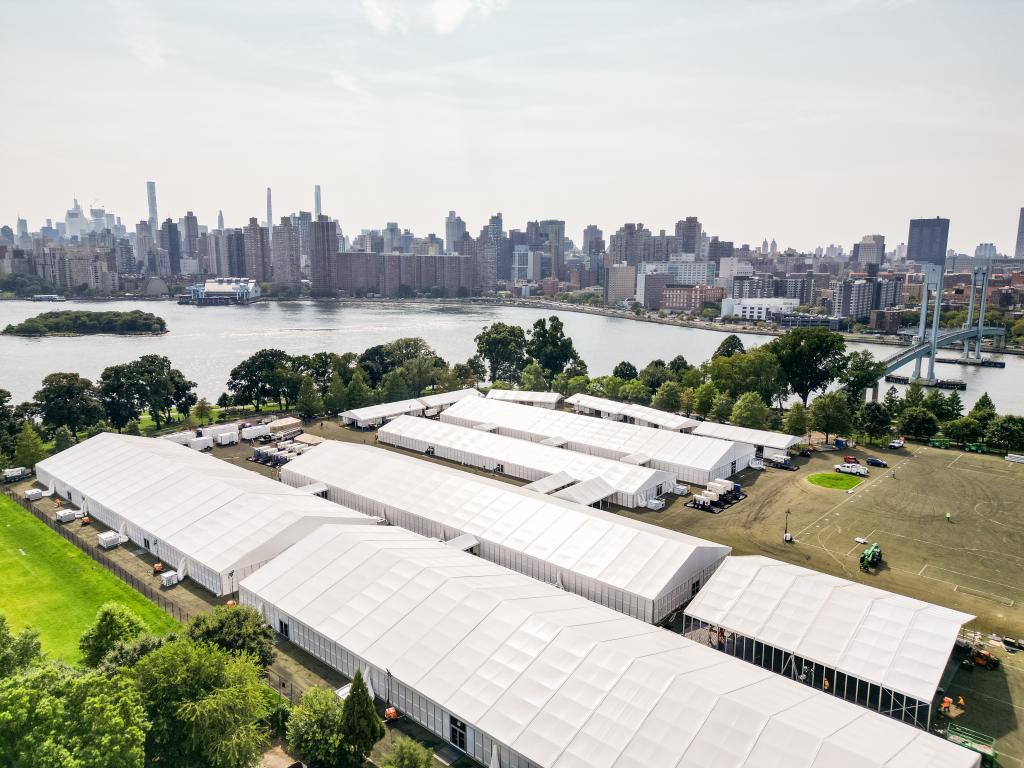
(170, 241)
(454, 229)
(928, 240)
(257, 252)
(220, 219)
(1018, 252)
(323, 256)
(555, 232)
(688, 231)
(151, 195)
(234, 245)
(190, 236)
(316, 201)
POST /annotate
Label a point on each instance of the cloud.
(346, 81)
(443, 16)
(140, 28)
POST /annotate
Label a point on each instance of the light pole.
(786, 537)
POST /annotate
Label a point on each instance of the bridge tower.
(970, 311)
(983, 303)
(932, 282)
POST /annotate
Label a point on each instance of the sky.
(808, 121)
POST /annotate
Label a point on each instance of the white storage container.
(181, 438)
(227, 438)
(251, 433)
(201, 443)
(219, 429)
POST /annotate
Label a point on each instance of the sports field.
(48, 583)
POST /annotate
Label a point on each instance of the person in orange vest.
(960, 702)
(947, 702)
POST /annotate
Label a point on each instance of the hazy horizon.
(810, 122)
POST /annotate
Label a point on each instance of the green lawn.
(48, 583)
(835, 480)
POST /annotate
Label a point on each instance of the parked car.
(874, 461)
(897, 443)
(851, 460)
(852, 469)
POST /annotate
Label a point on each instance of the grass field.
(48, 583)
(834, 480)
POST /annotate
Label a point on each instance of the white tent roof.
(588, 492)
(627, 554)
(663, 419)
(551, 483)
(207, 509)
(383, 410)
(703, 453)
(541, 458)
(561, 681)
(761, 437)
(880, 637)
(447, 398)
(524, 396)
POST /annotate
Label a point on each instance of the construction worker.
(960, 702)
(949, 517)
(947, 702)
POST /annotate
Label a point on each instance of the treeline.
(194, 697)
(84, 322)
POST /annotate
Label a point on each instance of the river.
(206, 342)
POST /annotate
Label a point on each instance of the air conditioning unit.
(66, 515)
(108, 539)
(168, 579)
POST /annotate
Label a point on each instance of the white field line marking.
(979, 552)
(954, 461)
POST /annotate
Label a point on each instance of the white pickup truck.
(852, 469)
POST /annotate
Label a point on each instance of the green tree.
(238, 629)
(795, 422)
(874, 420)
(314, 731)
(62, 439)
(320, 367)
(830, 413)
(533, 379)
(406, 753)
(984, 410)
(686, 401)
(892, 402)
(68, 400)
(28, 447)
(606, 386)
(918, 422)
(731, 345)
(420, 372)
(962, 430)
(811, 358)
(19, 651)
(655, 374)
(115, 623)
(309, 403)
(202, 411)
(394, 386)
(124, 655)
(119, 395)
(205, 706)
(678, 365)
(335, 401)
(668, 397)
(1007, 431)
(954, 405)
(160, 387)
(862, 373)
(721, 408)
(935, 402)
(503, 347)
(549, 345)
(625, 371)
(750, 411)
(471, 372)
(704, 398)
(257, 379)
(635, 391)
(361, 729)
(913, 397)
(56, 717)
(358, 393)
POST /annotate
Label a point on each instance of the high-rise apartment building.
(454, 229)
(144, 245)
(392, 237)
(688, 232)
(257, 252)
(928, 240)
(287, 260)
(554, 231)
(620, 282)
(234, 247)
(154, 220)
(1018, 252)
(986, 251)
(270, 217)
(322, 256)
(631, 244)
(870, 250)
(190, 243)
(593, 240)
(170, 241)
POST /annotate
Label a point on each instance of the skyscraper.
(287, 266)
(392, 237)
(170, 241)
(927, 241)
(270, 216)
(316, 201)
(554, 230)
(220, 219)
(190, 241)
(870, 250)
(154, 220)
(257, 252)
(688, 231)
(593, 240)
(234, 247)
(1018, 252)
(323, 256)
(454, 229)
(144, 245)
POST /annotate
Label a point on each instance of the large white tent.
(629, 412)
(632, 486)
(443, 400)
(526, 397)
(882, 650)
(375, 415)
(503, 666)
(690, 458)
(759, 438)
(208, 519)
(636, 568)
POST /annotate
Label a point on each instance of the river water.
(207, 342)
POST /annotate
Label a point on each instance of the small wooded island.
(85, 323)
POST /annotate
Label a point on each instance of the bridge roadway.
(923, 349)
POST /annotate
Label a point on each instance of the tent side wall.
(405, 698)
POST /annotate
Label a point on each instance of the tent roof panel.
(383, 410)
(524, 396)
(447, 398)
(762, 437)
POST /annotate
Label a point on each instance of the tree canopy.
(238, 629)
(83, 322)
(811, 358)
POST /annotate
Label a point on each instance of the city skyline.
(763, 145)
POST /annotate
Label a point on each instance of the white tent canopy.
(632, 486)
(502, 663)
(690, 458)
(375, 415)
(551, 483)
(890, 640)
(207, 518)
(526, 397)
(759, 438)
(637, 568)
(444, 399)
(588, 492)
(631, 412)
